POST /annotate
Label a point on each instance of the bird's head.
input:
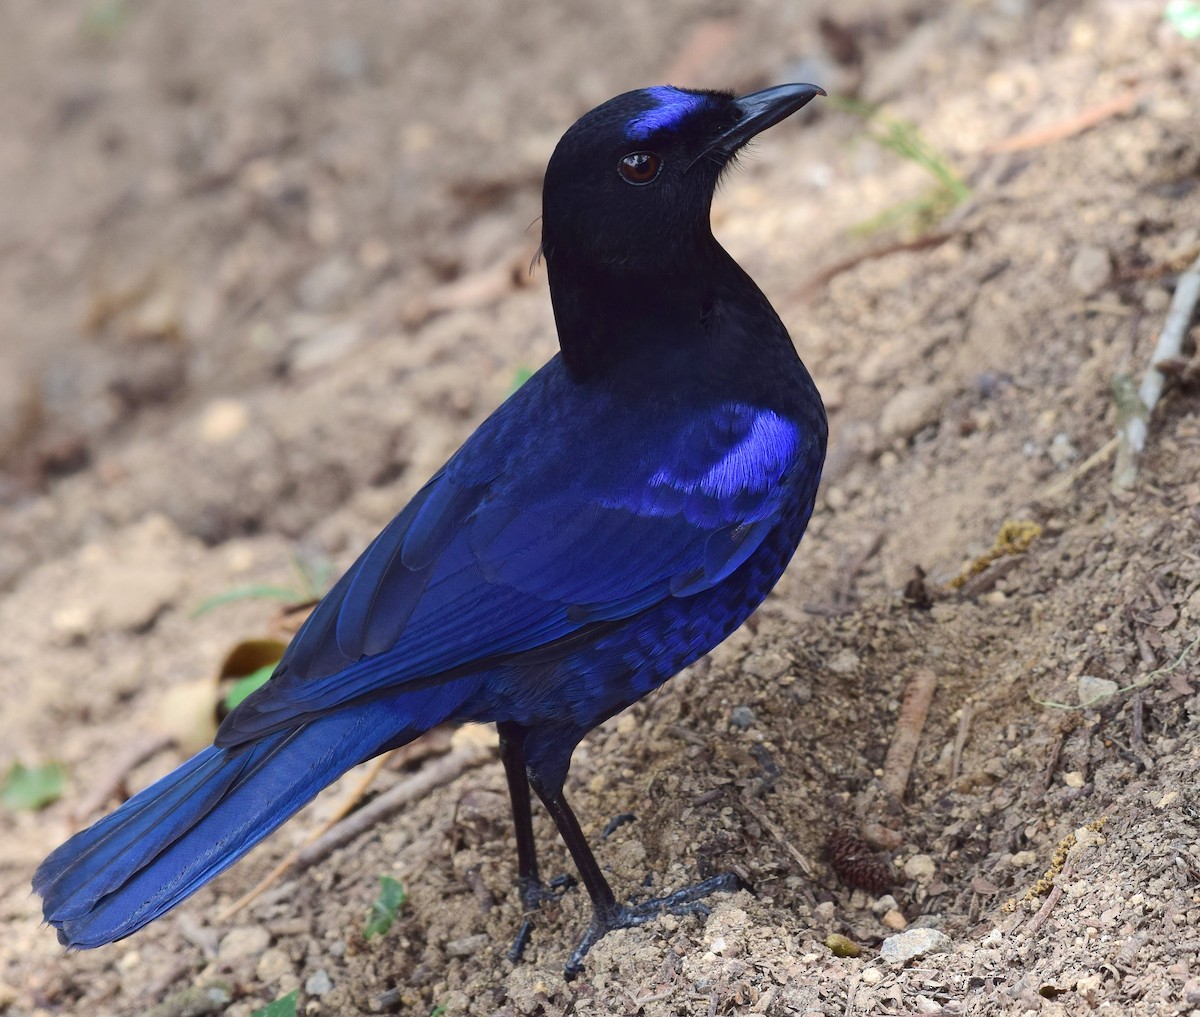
(630, 184)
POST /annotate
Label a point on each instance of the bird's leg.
(529, 883)
(607, 913)
(512, 754)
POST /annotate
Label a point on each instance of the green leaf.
(284, 1006)
(383, 911)
(520, 376)
(32, 787)
(244, 686)
(438, 1010)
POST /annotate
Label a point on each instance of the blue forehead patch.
(673, 107)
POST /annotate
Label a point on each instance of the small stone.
(242, 942)
(845, 662)
(273, 965)
(1074, 779)
(468, 946)
(1094, 690)
(766, 664)
(318, 983)
(920, 868)
(1090, 270)
(1022, 859)
(906, 946)
(883, 904)
(1156, 300)
(1191, 992)
(908, 411)
(894, 920)
(222, 420)
(871, 976)
(824, 912)
(741, 717)
(1061, 451)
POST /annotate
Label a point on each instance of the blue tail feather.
(166, 842)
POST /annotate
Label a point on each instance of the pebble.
(1061, 450)
(882, 905)
(766, 664)
(871, 976)
(894, 920)
(242, 942)
(222, 420)
(845, 662)
(1090, 270)
(273, 965)
(468, 946)
(1074, 779)
(920, 868)
(905, 946)
(1094, 690)
(741, 717)
(910, 410)
(318, 983)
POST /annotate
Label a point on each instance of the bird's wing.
(535, 530)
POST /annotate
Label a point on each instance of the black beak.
(761, 110)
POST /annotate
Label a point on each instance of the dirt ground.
(263, 266)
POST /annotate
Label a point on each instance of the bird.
(618, 516)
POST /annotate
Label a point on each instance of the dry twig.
(960, 740)
(898, 765)
(1082, 121)
(1135, 417)
(755, 808)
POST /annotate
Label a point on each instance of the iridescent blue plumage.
(673, 107)
(616, 518)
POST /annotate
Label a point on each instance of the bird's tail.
(164, 843)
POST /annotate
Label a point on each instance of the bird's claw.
(534, 893)
(688, 901)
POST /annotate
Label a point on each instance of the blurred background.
(264, 266)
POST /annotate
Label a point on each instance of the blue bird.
(616, 518)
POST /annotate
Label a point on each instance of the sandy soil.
(262, 267)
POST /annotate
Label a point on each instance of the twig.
(333, 835)
(1043, 915)
(111, 783)
(960, 740)
(1067, 481)
(823, 278)
(755, 808)
(1137, 743)
(1131, 433)
(1082, 121)
(903, 751)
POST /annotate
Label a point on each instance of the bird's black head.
(629, 186)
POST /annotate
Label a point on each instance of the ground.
(262, 267)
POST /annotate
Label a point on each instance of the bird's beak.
(761, 110)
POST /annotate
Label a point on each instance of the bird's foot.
(533, 894)
(688, 901)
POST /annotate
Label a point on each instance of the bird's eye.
(639, 167)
